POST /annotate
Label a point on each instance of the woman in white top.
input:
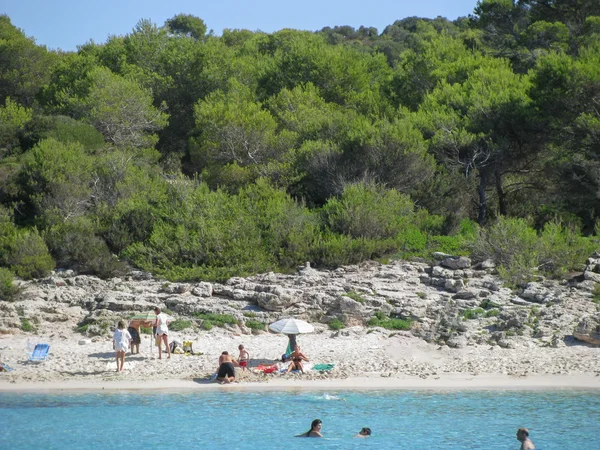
(162, 331)
(121, 342)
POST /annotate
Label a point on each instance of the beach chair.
(40, 352)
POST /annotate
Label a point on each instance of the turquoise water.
(232, 420)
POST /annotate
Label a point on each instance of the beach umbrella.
(147, 319)
(291, 327)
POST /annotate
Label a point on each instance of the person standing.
(162, 332)
(523, 438)
(121, 342)
(136, 340)
(243, 358)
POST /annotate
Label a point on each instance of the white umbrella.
(291, 326)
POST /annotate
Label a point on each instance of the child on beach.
(121, 342)
(243, 358)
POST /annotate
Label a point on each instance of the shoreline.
(458, 382)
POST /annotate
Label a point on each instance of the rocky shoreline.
(463, 321)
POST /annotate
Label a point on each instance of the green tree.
(24, 66)
(186, 25)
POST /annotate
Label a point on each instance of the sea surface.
(233, 420)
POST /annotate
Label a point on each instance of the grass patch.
(26, 325)
(381, 320)
(355, 296)
(179, 325)
(473, 313)
(488, 304)
(336, 324)
(255, 325)
(218, 320)
(421, 294)
(250, 315)
(492, 313)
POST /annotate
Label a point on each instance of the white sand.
(363, 360)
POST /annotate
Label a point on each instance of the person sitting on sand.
(226, 371)
(121, 341)
(297, 358)
(315, 429)
(243, 358)
(523, 438)
(364, 433)
(135, 337)
(162, 331)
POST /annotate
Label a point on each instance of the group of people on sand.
(227, 365)
(317, 424)
(129, 338)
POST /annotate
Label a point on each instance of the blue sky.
(65, 24)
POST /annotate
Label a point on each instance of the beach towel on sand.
(323, 367)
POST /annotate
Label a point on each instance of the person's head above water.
(316, 425)
(522, 434)
(365, 431)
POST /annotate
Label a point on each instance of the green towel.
(323, 367)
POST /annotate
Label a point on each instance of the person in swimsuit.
(297, 358)
(315, 429)
(226, 370)
(523, 438)
(243, 358)
(121, 341)
(162, 332)
(363, 433)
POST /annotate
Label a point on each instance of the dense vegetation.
(197, 156)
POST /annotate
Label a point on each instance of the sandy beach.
(363, 359)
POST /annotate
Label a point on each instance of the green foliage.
(8, 290)
(355, 296)
(179, 325)
(207, 325)
(26, 325)
(368, 211)
(255, 325)
(29, 256)
(211, 319)
(473, 313)
(381, 320)
(336, 324)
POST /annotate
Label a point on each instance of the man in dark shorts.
(135, 337)
(226, 371)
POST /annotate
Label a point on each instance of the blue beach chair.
(40, 352)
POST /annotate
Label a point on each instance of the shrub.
(366, 210)
(207, 325)
(512, 244)
(336, 324)
(562, 248)
(473, 313)
(179, 325)
(216, 319)
(381, 320)
(7, 288)
(144, 330)
(26, 325)
(255, 325)
(492, 313)
(29, 257)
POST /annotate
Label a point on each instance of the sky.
(65, 24)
